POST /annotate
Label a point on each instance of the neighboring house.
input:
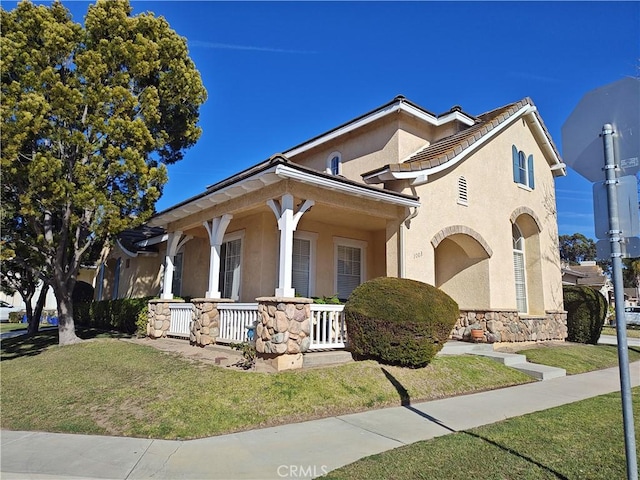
(590, 274)
(462, 202)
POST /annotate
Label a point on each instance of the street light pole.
(616, 237)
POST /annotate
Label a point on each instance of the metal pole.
(616, 237)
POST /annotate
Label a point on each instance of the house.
(590, 274)
(462, 202)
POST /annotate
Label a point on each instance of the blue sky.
(280, 73)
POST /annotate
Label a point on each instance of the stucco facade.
(399, 191)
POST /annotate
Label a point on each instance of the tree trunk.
(34, 319)
(66, 325)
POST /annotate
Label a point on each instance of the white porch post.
(216, 230)
(174, 243)
(287, 223)
(172, 249)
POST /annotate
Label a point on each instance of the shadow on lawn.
(29, 346)
(405, 401)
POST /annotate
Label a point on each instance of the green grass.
(109, 386)
(579, 358)
(10, 327)
(577, 441)
(632, 331)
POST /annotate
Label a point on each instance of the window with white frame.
(519, 269)
(334, 163)
(176, 286)
(350, 258)
(303, 263)
(231, 266)
(522, 168)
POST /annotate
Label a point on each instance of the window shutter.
(516, 164)
(521, 291)
(530, 172)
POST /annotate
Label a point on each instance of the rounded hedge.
(586, 311)
(399, 321)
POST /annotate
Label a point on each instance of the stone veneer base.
(510, 326)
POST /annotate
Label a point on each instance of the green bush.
(586, 310)
(121, 315)
(399, 321)
(15, 317)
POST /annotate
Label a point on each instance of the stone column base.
(287, 361)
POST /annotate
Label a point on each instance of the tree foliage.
(90, 115)
(576, 248)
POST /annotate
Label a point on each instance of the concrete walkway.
(301, 450)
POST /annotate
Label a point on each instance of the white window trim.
(349, 242)
(312, 237)
(328, 168)
(524, 270)
(230, 237)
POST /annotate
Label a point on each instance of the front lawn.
(578, 358)
(632, 331)
(115, 387)
(573, 442)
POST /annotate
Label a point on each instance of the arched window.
(519, 269)
(334, 164)
(522, 168)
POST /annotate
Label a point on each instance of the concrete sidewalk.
(301, 450)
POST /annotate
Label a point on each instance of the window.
(301, 266)
(462, 191)
(519, 269)
(350, 261)
(176, 286)
(116, 280)
(522, 168)
(230, 265)
(334, 164)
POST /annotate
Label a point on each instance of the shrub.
(399, 321)
(586, 310)
(121, 314)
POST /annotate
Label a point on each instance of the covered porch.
(270, 240)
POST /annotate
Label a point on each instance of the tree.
(90, 117)
(576, 248)
(22, 269)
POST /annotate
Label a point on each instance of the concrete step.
(540, 372)
(331, 357)
(507, 359)
(455, 347)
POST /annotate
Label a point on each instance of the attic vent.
(462, 191)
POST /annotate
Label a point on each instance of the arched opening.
(82, 292)
(527, 265)
(462, 270)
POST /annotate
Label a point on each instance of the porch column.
(216, 230)
(174, 243)
(287, 223)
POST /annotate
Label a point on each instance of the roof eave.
(420, 176)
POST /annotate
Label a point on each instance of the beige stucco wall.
(389, 140)
(139, 277)
(492, 198)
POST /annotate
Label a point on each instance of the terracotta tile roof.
(447, 148)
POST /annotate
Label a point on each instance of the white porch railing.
(181, 317)
(327, 325)
(328, 329)
(234, 320)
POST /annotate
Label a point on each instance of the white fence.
(328, 330)
(181, 317)
(235, 318)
